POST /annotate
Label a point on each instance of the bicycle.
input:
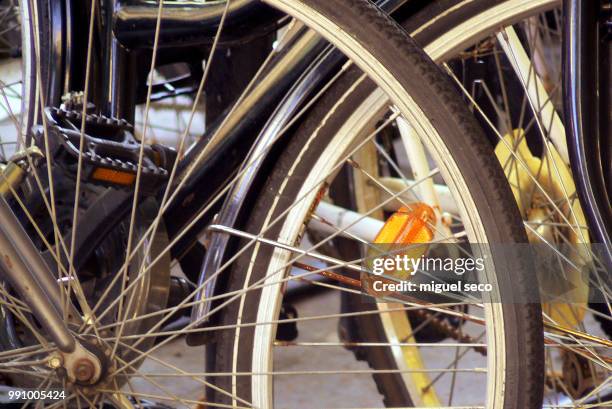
(298, 103)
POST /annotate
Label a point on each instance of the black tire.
(486, 184)
(428, 21)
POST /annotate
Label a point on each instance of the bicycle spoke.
(77, 195)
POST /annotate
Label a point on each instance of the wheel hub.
(86, 366)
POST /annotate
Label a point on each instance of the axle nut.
(84, 370)
(55, 362)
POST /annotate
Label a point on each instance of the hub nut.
(55, 362)
(84, 370)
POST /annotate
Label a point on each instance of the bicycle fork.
(31, 278)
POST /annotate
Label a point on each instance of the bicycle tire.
(523, 384)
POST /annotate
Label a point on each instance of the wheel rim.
(262, 356)
(15, 91)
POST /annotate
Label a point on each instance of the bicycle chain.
(451, 331)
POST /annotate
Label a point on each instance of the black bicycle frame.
(586, 90)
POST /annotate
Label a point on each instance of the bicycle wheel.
(16, 65)
(125, 295)
(310, 164)
(510, 79)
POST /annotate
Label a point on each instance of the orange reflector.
(408, 225)
(113, 176)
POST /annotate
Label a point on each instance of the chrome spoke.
(167, 399)
(77, 195)
(443, 308)
(181, 373)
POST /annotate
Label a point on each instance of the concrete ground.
(325, 391)
(351, 390)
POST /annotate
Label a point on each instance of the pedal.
(110, 150)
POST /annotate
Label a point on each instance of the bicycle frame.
(586, 95)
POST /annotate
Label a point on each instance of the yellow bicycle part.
(554, 180)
